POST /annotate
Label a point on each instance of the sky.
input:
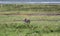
(30, 1)
(33, 0)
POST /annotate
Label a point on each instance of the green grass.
(10, 27)
(30, 7)
(52, 34)
(11, 18)
(35, 28)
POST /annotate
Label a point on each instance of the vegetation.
(12, 24)
(30, 7)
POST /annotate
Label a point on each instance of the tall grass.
(33, 29)
(10, 25)
(30, 7)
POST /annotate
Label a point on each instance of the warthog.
(27, 21)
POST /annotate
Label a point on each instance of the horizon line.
(6, 2)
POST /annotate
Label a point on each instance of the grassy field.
(30, 7)
(12, 24)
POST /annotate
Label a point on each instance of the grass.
(30, 7)
(52, 34)
(10, 25)
(35, 28)
(12, 18)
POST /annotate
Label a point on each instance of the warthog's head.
(27, 20)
